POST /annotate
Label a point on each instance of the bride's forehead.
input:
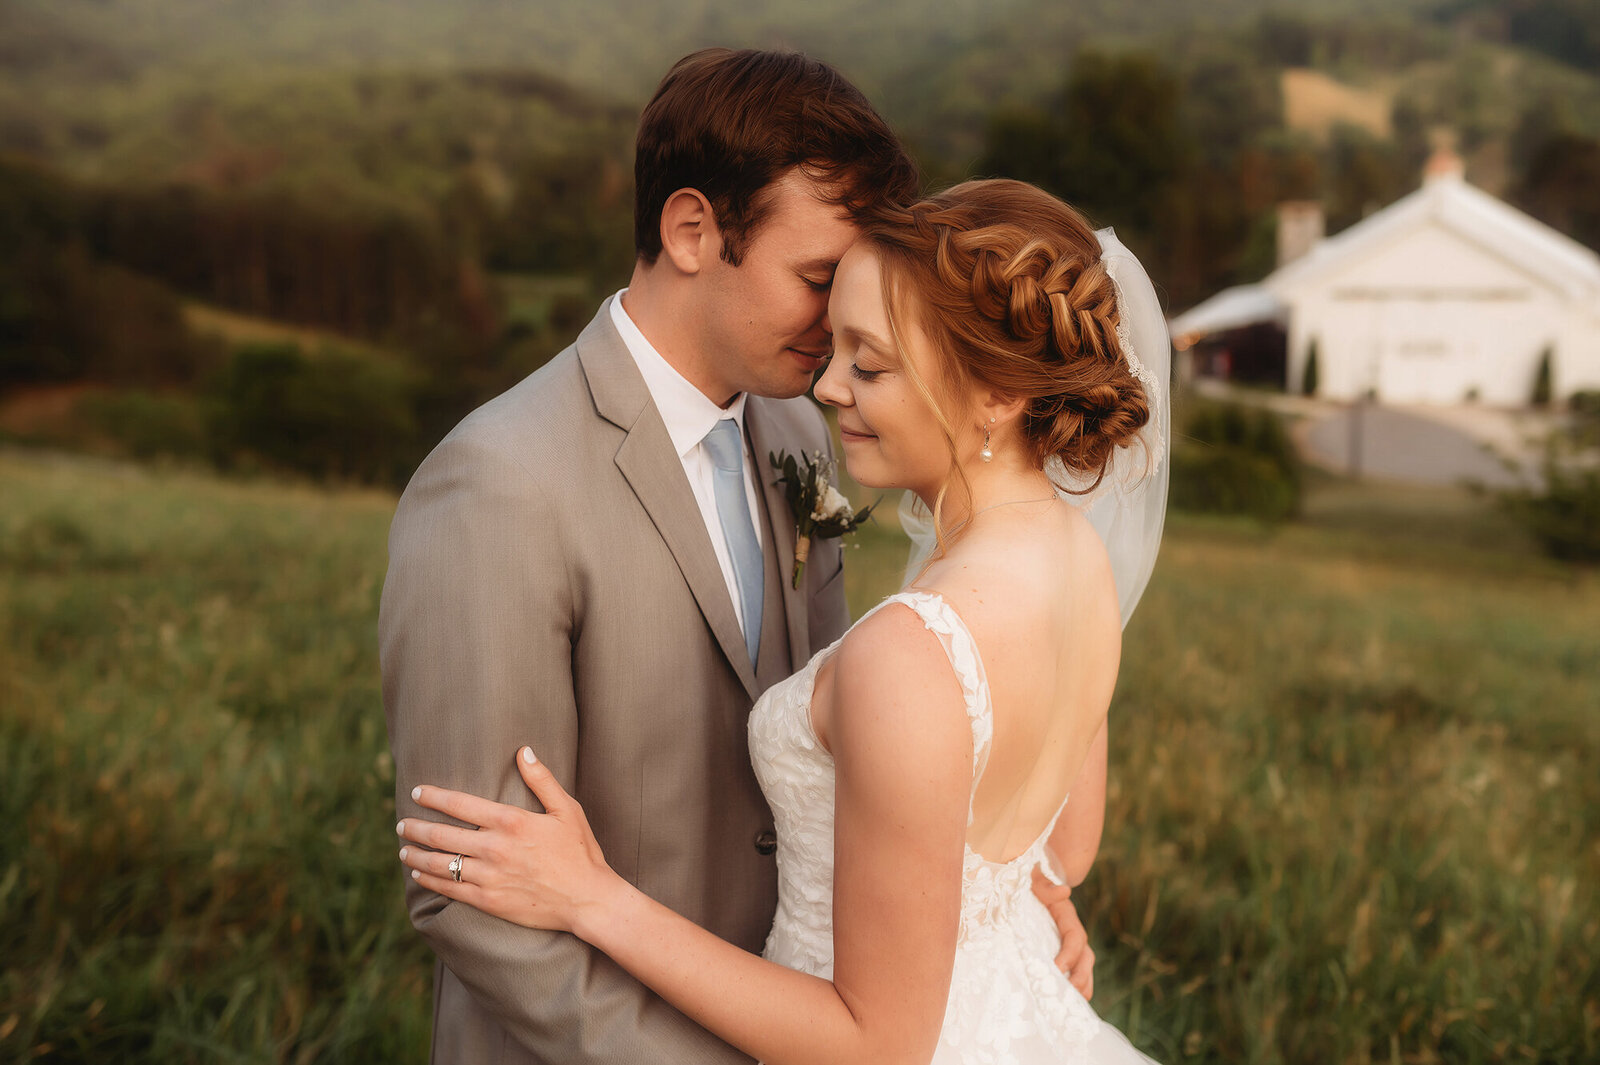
(857, 287)
(859, 259)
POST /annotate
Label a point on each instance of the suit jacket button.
(766, 841)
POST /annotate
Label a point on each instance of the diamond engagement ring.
(455, 867)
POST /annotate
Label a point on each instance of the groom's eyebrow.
(822, 266)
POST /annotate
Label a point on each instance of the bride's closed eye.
(865, 375)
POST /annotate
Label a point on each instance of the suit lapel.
(649, 463)
(758, 422)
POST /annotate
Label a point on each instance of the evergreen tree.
(1542, 382)
(1309, 379)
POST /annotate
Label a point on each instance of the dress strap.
(941, 619)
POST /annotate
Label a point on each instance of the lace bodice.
(1008, 1003)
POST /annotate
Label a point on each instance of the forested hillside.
(448, 184)
(936, 66)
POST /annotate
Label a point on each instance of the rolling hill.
(81, 73)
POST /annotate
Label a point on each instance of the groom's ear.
(689, 234)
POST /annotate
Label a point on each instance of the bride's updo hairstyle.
(1007, 284)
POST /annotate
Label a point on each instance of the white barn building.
(1446, 295)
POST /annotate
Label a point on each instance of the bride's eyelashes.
(853, 361)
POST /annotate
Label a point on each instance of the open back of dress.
(1008, 1005)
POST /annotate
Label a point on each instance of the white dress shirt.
(689, 415)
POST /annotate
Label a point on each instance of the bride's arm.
(1076, 839)
(903, 750)
(1073, 847)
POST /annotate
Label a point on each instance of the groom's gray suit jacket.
(551, 582)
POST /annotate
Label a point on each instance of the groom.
(596, 562)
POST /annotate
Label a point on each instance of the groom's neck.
(662, 305)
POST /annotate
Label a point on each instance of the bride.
(918, 770)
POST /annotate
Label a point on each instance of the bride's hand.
(1076, 958)
(536, 870)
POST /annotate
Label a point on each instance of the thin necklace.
(1009, 503)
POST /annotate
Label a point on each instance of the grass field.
(1353, 810)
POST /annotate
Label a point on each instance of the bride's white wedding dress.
(1009, 1005)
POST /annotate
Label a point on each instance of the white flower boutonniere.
(820, 509)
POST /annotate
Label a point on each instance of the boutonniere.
(820, 509)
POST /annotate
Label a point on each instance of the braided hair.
(1007, 283)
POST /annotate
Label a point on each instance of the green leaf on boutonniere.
(820, 509)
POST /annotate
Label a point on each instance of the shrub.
(1232, 481)
(1585, 410)
(149, 425)
(336, 415)
(1565, 516)
(1230, 459)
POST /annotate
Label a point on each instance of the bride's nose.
(832, 388)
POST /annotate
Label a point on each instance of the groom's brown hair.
(731, 123)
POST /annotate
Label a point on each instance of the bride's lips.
(856, 436)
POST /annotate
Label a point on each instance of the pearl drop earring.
(986, 454)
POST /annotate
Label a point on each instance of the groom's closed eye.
(817, 273)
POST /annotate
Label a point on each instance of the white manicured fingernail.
(400, 828)
(416, 874)
(403, 852)
(416, 792)
(527, 756)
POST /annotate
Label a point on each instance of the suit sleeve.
(475, 633)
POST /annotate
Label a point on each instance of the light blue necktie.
(733, 510)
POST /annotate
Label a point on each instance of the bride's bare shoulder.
(892, 673)
(891, 641)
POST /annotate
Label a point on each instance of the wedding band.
(455, 867)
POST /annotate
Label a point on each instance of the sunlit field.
(1353, 804)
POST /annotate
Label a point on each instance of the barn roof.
(1229, 309)
(1472, 214)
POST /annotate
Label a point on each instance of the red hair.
(1006, 282)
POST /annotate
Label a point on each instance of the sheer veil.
(1129, 506)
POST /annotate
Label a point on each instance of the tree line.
(1186, 156)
